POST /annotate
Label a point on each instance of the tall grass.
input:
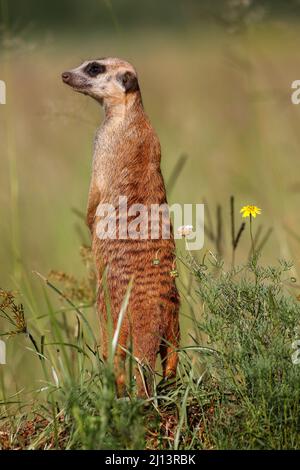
(237, 386)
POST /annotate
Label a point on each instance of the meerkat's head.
(103, 79)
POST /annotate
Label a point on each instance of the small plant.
(12, 312)
(248, 328)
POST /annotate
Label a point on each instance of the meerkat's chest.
(102, 169)
(105, 160)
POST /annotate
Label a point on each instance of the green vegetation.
(237, 386)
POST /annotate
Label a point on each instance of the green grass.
(237, 386)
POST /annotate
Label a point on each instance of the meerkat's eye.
(94, 68)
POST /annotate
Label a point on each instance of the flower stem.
(251, 235)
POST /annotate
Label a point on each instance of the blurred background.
(216, 82)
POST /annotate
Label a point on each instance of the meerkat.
(126, 162)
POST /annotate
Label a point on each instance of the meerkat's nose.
(65, 76)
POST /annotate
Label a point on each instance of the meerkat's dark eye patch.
(94, 68)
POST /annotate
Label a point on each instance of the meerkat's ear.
(129, 81)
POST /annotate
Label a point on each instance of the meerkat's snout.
(74, 79)
(103, 79)
(65, 76)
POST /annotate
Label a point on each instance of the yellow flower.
(250, 210)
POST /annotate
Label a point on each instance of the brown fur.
(127, 162)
